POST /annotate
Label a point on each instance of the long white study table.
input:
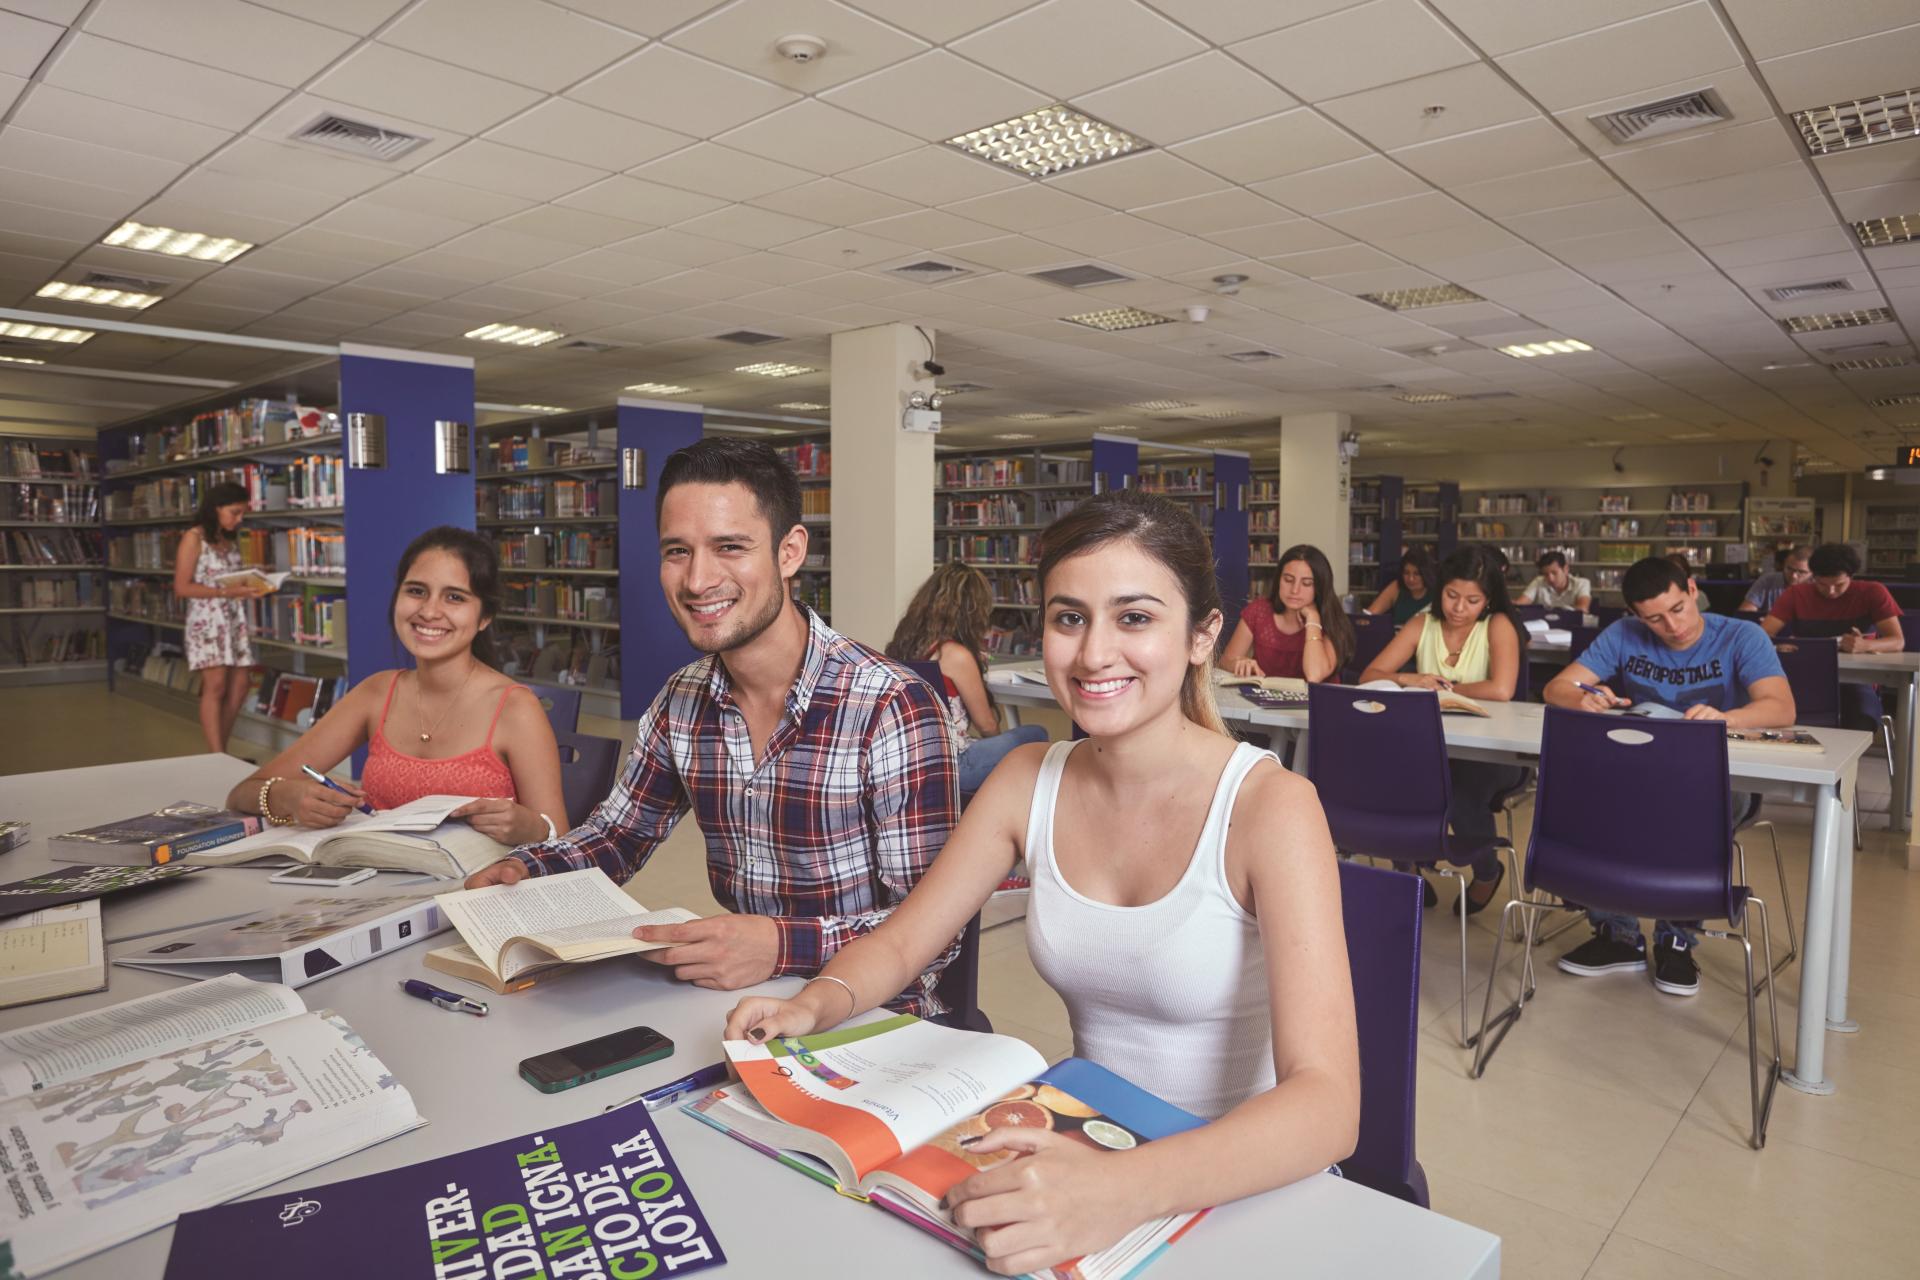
(1511, 735)
(461, 1072)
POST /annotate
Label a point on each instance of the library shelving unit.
(281, 438)
(52, 581)
(811, 457)
(1373, 533)
(1214, 486)
(1893, 539)
(1263, 532)
(1777, 524)
(1604, 528)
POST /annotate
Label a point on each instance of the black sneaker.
(1674, 969)
(1604, 953)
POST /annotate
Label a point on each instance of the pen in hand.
(331, 785)
(1617, 700)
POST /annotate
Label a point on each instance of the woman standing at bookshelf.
(219, 644)
(1299, 630)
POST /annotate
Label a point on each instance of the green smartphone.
(590, 1059)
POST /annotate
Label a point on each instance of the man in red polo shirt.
(1836, 603)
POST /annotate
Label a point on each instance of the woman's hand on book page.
(1246, 667)
(721, 953)
(1060, 1200)
(503, 820)
(505, 871)
(762, 1018)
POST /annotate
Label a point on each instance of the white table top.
(461, 1071)
(1886, 668)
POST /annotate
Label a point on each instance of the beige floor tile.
(1053, 1046)
(1624, 1258)
(1536, 1243)
(73, 725)
(1011, 989)
(1789, 1211)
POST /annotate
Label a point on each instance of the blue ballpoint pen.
(451, 1001)
(331, 785)
(667, 1094)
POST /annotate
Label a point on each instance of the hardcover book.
(180, 828)
(77, 884)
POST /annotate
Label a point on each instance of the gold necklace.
(420, 705)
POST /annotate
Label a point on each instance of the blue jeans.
(1627, 929)
(977, 761)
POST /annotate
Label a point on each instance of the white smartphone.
(322, 877)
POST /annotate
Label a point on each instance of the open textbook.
(572, 918)
(121, 1119)
(56, 951)
(1451, 703)
(258, 579)
(890, 1111)
(413, 837)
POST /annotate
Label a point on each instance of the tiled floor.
(1608, 1138)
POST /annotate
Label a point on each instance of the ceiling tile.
(755, 228)
(298, 166)
(1142, 178)
(1107, 234)
(1348, 185)
(1900, 198)
(213, 190)
(1617, 213)
(936, 96)
(445, 199)
(678, 91)
(587, 135)
(1226, 210)
(940, 20)
(1771, 185)
(1639, 53)
(1201, 95)
(1027, 208)
(65, 12)
(815, 136)
(1017, 253)
(742, 36)
(154, 82)
(1842, 72)
(1500, 152)
(27, 151)
(1343, 53)
(1718, 154)
(1772, 30)
(832, 201)
(1502, 26)
(11, 87)
(358, 16)
(1471, 98)
(1277, 238)
(511, 248)
(523, 41)
(1279, 145)
(571, 226)
(389, 79)
(639, 201)
(669, 245)
(714, 170)
(773, 268)
(1870, 167)
(1342, 260)
(365, 251)
(845, 248)
(1781, 248)
(930, 229)
(511, 171)
(651, 18)
(25, 43)
(1759, 220)
(1067, 47)
(1224, 21)
(1554, 188)
(224, 34)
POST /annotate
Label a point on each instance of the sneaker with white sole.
(1603, 953)
(1674, 969)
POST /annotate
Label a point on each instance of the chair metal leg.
(1760, 1084)
(1786, 894)
(1454, 873)
(1494, 1027)
(1886, 740)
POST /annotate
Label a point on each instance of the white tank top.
(1171, 995)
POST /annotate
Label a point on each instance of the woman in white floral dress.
(218, 644)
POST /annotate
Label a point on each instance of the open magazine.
(573, 918)
(889, 1112)
(121, 1119)
(412, 837)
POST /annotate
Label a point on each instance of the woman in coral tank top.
(453, 725)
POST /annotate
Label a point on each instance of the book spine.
(164, 851)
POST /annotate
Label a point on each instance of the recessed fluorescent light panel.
(20, 360)
(1033, 417)
(1434, 295)
(1898, 229)
(774, 369)
(1050, 140)
(43, 332)
(805, 406)
(1870, 362)
(179, 244)
(1161, 406)
(1847, 126)
(123, 298)
(659, 389)
(543, 408)
(514, 335)
(959, 389)
(1635, 417)
(1218, 415)
(1114, 319)
(1556, 347)
(1887, 402)
(1014, 435)
(1425, 397)
(1837, 320)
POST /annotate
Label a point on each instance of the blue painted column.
(652, 646)
(1116, 462)
(1232, 477)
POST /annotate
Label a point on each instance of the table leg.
(1900, 812)
(1299, 763)
(1837, 974)
(1816, 943)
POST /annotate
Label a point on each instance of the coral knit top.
(393, 778)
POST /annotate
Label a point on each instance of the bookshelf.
(1263, 531)
(1777, 524)
(1373, 534)
(1604, 528)
(811, 458)
(1893, 539)
(52, 583)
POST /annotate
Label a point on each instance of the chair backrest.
(1370, 638)
(1608, 614)
(959, 985)
(1910, 631)
(1379, 762)
(1634, 816)
(1523, 679)
(1382, 911)
(1580, 639)
(1813, 673)
(562, 707)
(588, 766)
(1531, 612)
(930, 672)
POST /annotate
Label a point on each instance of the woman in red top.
(453, 725)
(1299, 630)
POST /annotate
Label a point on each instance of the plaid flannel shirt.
(826, 834)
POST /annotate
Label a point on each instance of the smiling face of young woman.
(436, 613)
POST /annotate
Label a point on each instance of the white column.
(1314, 478)
(882, 546)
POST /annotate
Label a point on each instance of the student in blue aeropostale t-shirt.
(1702, 665)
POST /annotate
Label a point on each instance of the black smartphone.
(591, 1059)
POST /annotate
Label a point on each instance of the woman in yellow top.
(1467, 642)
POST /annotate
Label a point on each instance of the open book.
(1266, 691)
(572, 918)
(123, 1118)
(56, 951)
(413, 837)
(1451, 703)
(255, 578)
(890, 1112)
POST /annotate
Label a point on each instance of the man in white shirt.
(1556, 587)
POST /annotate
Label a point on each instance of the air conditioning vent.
(358, 138)
(929, 271)
(1255, 356)
(748, 338)
(126, 284)
(1788, 292)
(1080, 276)
(1669, 115)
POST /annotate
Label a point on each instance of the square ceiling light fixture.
(43, 332)
(1426, 397)
(1864, 122)
(197, 245)
(774, 369)
(1553, 347)
(659, 389)
(543, 408)
(514, 335)
(1433, 295)
(125, 299)
(1162, 406)
(804, 406)
(1888, 402)
(1115, 319)
(1014, 435)
(1048, 141)
(20, 360)
(1898, 229)
(1861, 364)
(1837, 320)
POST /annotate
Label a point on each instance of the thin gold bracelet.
(853, 1001)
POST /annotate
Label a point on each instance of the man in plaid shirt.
(821, 774)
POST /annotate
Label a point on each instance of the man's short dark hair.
(1551, 557)
(731, 460)
(1649, 578)
(1833, 559)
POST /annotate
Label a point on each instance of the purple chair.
(1607, 857)
(1382, 911)
(1582, 639)
(1379, 762)
(562, 707)
(1608, 614)
(1813, 672)
(1371, 637)
(588, 767)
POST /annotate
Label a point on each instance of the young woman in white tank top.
(1186, 906)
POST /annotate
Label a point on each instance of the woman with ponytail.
(1185, 905)
(452, 725)
(219, 645)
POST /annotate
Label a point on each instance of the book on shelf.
(178, 829)
(70, 503)
(33, 460)
(417, 836)
(68, 885)
(889, 1112)
(52, 952)
(576, 917)
(123, 1118)
(810, 461)
(549, 1203)
(299, 941)
(62, 548)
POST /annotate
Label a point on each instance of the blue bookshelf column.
(1392, 530)
(1116, 462)
(1232, 479)
(652, 646)
(387, 507)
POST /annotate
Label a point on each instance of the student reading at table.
(451, 726)
(1705, 666)
(1411, 589)
(1790, 570)
(1298, 629)
(1556, 587)
(821, 774)
(1185, 905)
(1837, 602)
(1467, 642)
